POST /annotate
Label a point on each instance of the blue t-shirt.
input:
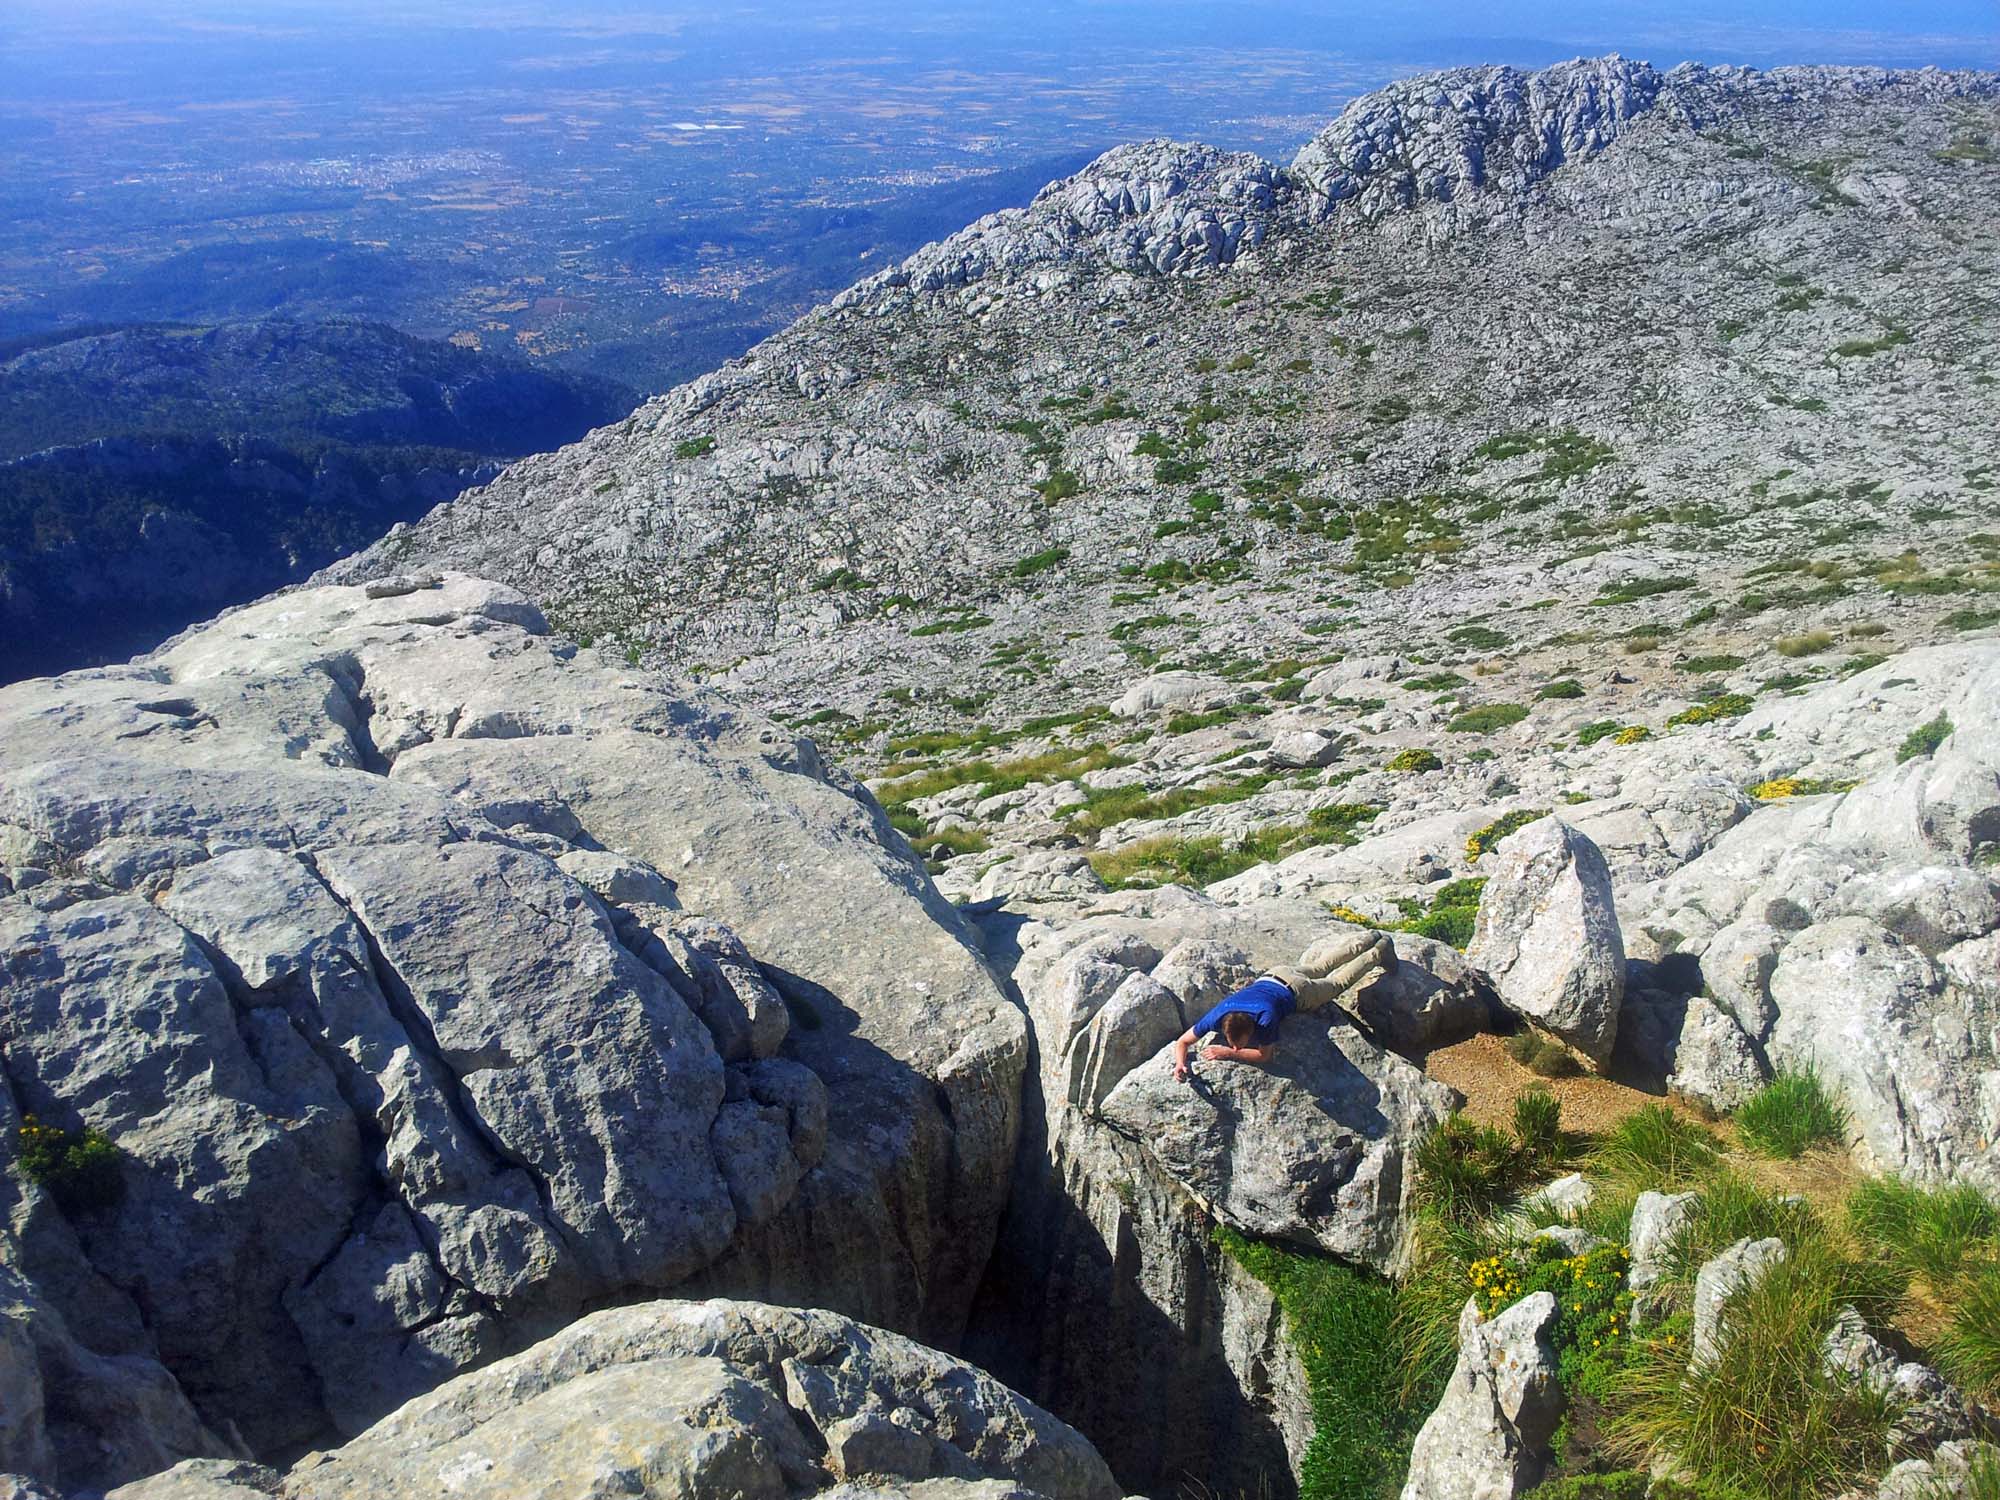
(1265, 1001)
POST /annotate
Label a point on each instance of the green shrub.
(82, 1170)
(1497, 830)
(1631, 590)
(1436, 682)
(1935, 1233)
(1925, 739)
(1363, 1420)
(694, 447)
(1718, 663)
(1542, 1055)
(1600, 729)
(1452, 916)
(1970, 1351)
(1414, 759)
(1478, 637)
(1060, 485)
(1791, 1114)
(1565, 688)
(1625, 1484)
(1464, 1171)
(1656, 1147)
(1487, 718)
(1728, 706)
(1039, 562)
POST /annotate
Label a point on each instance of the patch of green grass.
(1005, 776)
(1203, 861)
(1766, 1417)
(1478, 637)
(1485, 838)
(1940, 1234)
(1487, 718)
(1562, 689)
(1970, 1350)
(1791, 1114)
(1039, 562)
(1895, 338)
(1434, 682)
(1107, 808)
(1632, 590)
(1060, 485)
(1811, 643)
(1363, 1422)
(1924, 739)
(694, 447)
(1600, 729)
(1656, 1147)
(1716, 663)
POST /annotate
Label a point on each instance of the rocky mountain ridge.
(1207, 570)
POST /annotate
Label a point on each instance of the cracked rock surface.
(433, 984)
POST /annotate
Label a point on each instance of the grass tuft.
(1542, 1055)
(1656, 1148)
(1790, 1115)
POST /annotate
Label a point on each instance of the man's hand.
(1181, 1045)
(1217, 1054)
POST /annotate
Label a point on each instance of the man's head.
(1238, 1029)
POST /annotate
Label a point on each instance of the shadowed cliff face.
(150, 476)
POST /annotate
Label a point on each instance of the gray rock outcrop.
(674, 1399)
(364, 956)
(1488, 1437)
(1548, 935)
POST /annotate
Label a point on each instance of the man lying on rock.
(1330, 970)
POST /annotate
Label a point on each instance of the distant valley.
(153, 474)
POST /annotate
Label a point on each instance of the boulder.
(1174, 690)
(1948, 1474)
(1140, 1018)
(432, 980)
(1930, 1410)
(1488, 1437)
(1547, 934)
(1312, 1148)
(1690, 1047)
(1303, 749)
(1900, 1046)
(1722, 1278)
(674, 1399)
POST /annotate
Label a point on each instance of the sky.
(65, 36)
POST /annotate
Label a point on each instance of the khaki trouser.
(1337, 966)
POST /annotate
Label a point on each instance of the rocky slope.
(1642, 344)
(1479, 531)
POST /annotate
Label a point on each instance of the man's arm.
(1182, 1043)
(1261, 1054)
